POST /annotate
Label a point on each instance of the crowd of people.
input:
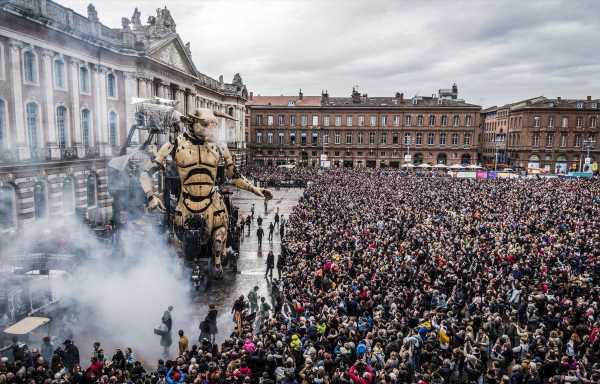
(272, 176)
(392, 279)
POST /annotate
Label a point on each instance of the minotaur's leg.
(219, 239)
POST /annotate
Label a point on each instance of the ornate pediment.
(174, 55)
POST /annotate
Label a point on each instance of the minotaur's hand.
(154, 202)
(266, 193)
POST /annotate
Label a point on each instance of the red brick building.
(362, 131)
(551, 134)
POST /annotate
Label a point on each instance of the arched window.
(91, 190)
(32, 125)
(61, 118)
(59, 74)
(3, 126)
(84, 80)
(29, 67)
(85, 127)
(465, 159)
(112, 128)
(39, 200)
(8, 208)
(442, 158)
(111, 85)
(68, 194)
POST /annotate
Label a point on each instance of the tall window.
(593, 121)
(59, 74)
(396, 120)
(455, 139)
(348, 137)
(68, 195)
(258, 119)
(281, 138)
(337, 137)
(281, 120)
(373, 120)
(315, 120)
(419, 139)
(270, 120)
(293, 120)
(32, 125)
(361, 121)
(315, 138)
(407, 139)
(535, 140)
(326, 120)
(579, 121)
(269, 137)
(551, 122)
(420, 120)
(349, 120)
(61, 118)
(85, 127)
(371, 137)
(444, 120)
(325, 137)
(112, 128)
(91, 190)
(430, 138)
(293, 138)
(338, 121)
(467, 139)
(578, 140)
(29, 67)
(303, 138)
(39, 200)
(395, 137)
(431, 120)
(360, 138)
(468, 120)
(111, 85)
(303, 120)
(407, 120)
(563, 140)
(8, 207)
(549, 139)
(565, 122)
(258, 137)
(84, 80)
(456, 121)
(384, 121)
(383, 138)
(3, 126)
(442, 138)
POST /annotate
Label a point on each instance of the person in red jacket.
(361, 373)
(94, 371)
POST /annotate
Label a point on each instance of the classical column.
(149, 88)
(100, 107)
(130, 93)
(17, 93)
(50, 136)
(77, 140)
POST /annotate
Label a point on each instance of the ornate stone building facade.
(363, 131)
(66, 85)
(540, 133)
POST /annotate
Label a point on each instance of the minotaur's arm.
(149, 169)
(240, 181)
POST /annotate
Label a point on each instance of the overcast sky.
(496, 51)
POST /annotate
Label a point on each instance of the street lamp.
(407, 158)
(498, 142)
(587, 145)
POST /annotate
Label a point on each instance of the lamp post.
(587, 145)
(407, 156)
(497, 142)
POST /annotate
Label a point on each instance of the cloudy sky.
(496, 51)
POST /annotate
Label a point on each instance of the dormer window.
(291, 103)
(579, 105)
(594, 105)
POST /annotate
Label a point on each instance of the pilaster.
(17, 94)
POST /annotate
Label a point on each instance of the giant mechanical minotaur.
(201, 216)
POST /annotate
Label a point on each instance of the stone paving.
(251, 264)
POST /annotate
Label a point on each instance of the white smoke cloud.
(116, 299)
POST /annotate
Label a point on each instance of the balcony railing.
(42, 155)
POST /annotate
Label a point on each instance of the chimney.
(589, 98)
(355, 96)
(324, 96)
(401, 97)
(251, 95)
(300, 94)
(558, 99)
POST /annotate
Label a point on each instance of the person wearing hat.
(197, 156)
(70, 355)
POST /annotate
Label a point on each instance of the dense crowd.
(390, 279)
(281, 176)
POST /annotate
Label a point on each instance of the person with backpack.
(271, 229)
(260, 233)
